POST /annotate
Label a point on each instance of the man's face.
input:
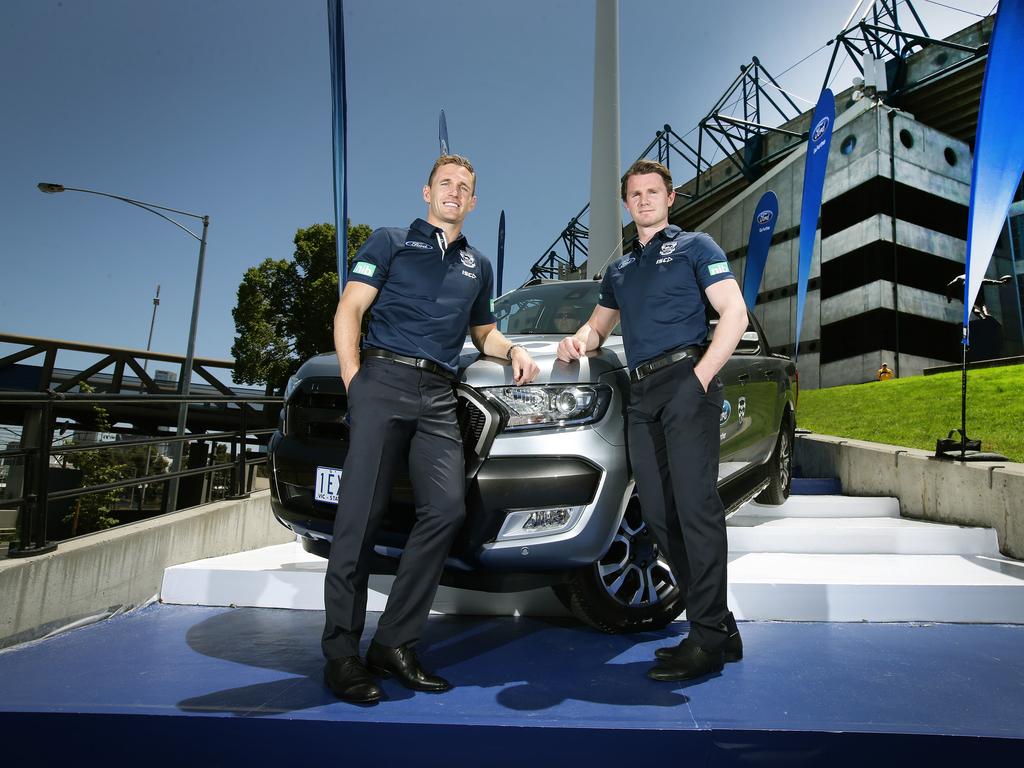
(647, 200)
(449, 196)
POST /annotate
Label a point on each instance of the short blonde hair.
(452, 160)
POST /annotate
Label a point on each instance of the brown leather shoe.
(350, 681)
(401, 663)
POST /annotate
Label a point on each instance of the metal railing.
(37, 449)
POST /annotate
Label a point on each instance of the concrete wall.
(987, 494)
(114, 570)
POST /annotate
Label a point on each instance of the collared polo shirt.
(430, 292)
(659, 290)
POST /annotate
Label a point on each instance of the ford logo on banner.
(820, 128)
(764, 217)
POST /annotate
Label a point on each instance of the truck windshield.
(553, 308)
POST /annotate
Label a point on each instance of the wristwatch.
(508, 355)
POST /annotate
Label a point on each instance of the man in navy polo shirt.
(427, 286)
(659, 289)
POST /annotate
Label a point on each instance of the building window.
(848, 145)
(906, 139)
(950, 156)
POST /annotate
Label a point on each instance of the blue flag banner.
(998, 147)
(761, 228)
(339, 109)
(818, 142)
(501, 254)
(442, 133)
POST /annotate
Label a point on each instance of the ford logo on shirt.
(820, 128)
(765, 217)
(417, 244)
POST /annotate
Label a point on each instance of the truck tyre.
(780, 466)
(630, 589)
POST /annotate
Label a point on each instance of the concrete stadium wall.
(112, 571)
(988, 494)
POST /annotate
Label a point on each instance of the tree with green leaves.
(92, 512)
(285, 309)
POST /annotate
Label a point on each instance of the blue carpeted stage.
(214, 686)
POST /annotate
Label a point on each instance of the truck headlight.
(290, 387)
(550, 405)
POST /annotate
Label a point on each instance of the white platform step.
(941, 588)
(857, 535)
(824, 506)
(814, 558)
(286, 576)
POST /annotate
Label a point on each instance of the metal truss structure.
(117, 371)
(879, 35)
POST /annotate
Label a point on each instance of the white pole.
(605, 239)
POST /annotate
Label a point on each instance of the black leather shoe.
(401, 663)
(689, 663)
(349, 680)
(732, 649)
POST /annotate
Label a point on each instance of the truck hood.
(476, 370)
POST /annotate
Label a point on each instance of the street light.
(185, 386)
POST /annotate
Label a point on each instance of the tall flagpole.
(442, 133)
(501, 254)
(339, 120)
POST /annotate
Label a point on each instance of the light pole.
(185, 385)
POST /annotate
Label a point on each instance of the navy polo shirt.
(428, 297)
(659, 291)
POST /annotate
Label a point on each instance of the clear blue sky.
(223, 107)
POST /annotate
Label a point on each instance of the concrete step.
(824, 506)
(856, 535)
(827, 587)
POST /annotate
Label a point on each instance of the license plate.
(328, 481)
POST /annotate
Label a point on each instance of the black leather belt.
(646, 369)
(416, 362)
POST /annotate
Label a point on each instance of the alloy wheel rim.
(785, 459)
(633, 571)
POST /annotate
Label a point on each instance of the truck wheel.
(630, 589)
(780, 466)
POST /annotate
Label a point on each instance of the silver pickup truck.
(550, 494)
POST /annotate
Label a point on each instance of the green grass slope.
(913, 412)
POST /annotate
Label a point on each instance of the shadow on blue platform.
(534, 664)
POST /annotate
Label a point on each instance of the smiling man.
(660, 288)
(428, 287)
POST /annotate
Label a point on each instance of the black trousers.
(673, 432)
(395, 411)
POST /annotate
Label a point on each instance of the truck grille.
(318, 411)
(472, 421)
(319, 415)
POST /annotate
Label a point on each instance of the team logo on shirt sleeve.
(718, 268)
(364, 268)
